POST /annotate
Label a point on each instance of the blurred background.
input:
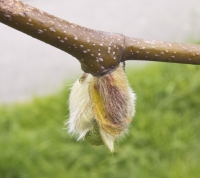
(29, 67)
(35, 78)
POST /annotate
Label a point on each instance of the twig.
(98, 52)
(151, 50)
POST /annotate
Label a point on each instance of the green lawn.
(163, 141)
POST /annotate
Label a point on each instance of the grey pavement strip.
(29, 67)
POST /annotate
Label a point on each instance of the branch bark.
(151, 50)
(88, 46)
(98, 52)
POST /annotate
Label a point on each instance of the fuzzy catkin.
(101, 108)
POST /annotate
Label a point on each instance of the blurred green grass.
(163, 141)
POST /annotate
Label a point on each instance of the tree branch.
(151, 50)
(98, 52)
(88, 46)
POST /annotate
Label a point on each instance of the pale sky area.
(29, 67)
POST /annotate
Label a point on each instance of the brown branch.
(151, 50)
(98, 52)
(89, 46)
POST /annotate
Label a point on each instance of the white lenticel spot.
(40, 32)
(51, 23)
(52, 29)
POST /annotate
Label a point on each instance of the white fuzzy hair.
(81, 118)
(117, 101)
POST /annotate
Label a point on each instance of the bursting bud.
(101, 108)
